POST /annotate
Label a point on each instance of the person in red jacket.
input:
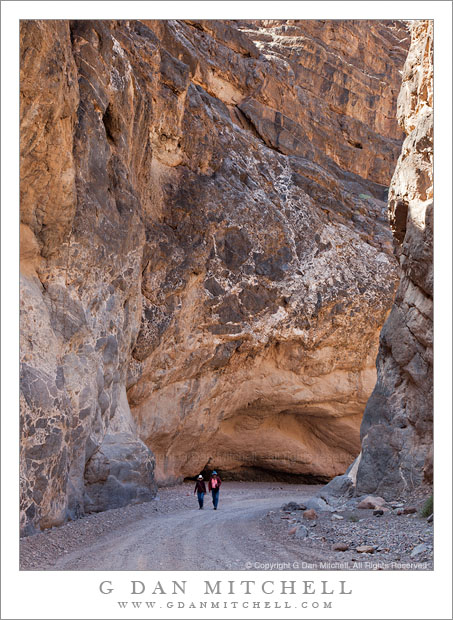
(200, 490)
(214, 487)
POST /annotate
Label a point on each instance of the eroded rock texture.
(397, 425)
(205, 244)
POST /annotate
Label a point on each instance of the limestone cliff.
(397, 428)
(205, 256)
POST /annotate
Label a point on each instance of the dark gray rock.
(233, 247)
(293, 506)
(318, 504)
(301, 532)
(67, 312)
(213, 287)
(119, 473)
(339, 486)
(36, 387)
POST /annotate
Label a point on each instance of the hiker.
(200, 490)
(214, 486)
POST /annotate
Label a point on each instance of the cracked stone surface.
(397, 428)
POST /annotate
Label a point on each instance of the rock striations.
(205, 256)
(397, 428)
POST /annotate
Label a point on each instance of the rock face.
(397, 425)
(205, 258)
(81, 260)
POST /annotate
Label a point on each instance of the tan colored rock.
(365, 505)
(256, 347)
(340, 547)
(310, 515)
(365, 549)
(371, 502)
(205, 262)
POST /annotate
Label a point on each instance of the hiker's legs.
(215, 497)
(200, 499)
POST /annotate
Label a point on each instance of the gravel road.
(247, 532)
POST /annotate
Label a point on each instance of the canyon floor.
(249, 531)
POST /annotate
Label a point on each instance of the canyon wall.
(206, 261)
(397, 428)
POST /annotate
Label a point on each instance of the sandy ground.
(247, 532)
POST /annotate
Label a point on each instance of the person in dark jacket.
(214, 487)
(200, 490)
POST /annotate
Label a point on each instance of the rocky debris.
(430, 519)
(291, 506)
(396, 431)
(365, 549)
(321, 504)
(340, 547)
(205, 257)
(392, 538)
(378, 513)
(310, 515)
(299, 531)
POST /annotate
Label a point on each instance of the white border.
(377, 595)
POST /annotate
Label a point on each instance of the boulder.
(319, 504)
(340, 547)
(291, 506)
(371, 502)
(363, 505)
(301, 532)
(365, 549)
(339, 486)
(419, 549)
(119, 473)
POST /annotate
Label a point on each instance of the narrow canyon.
(223, 225)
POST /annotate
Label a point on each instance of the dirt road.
(172, 533)
(247, 532)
